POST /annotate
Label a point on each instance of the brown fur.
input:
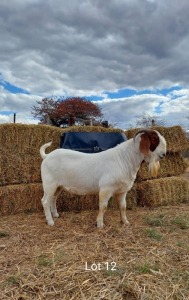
(149, 140)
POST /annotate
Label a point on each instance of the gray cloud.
(125, 112)
(88, 47)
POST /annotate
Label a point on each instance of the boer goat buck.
(109, 173)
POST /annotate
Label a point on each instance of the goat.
(108, 173)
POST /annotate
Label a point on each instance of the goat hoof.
(50, 223)
(56, 215)
(125, 222)
(100, 225)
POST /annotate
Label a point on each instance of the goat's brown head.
(153, 146)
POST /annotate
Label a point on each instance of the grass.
(3, 234)
(181, 221)
(182, 244)
(59, 255)
(147, 268)
(44, 261)
(155, 220)
(153, 234)
(161, 220)
(29, 211)
(181, 278)
(13, 279)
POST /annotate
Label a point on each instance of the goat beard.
(153, 168)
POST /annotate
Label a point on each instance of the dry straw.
(23, 168)
(27, 139)
(40, 262)
(19, 151)
(20, 198)
(163, 191)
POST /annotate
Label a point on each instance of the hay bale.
(17, 169)
(19, 139)
(20, 198)
(19, 147)
(163, 191)
(70, 202)
(175, 136)
(172, 165)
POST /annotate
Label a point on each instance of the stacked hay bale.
(20, 161)
(20, 180)
(19, 151)
(169, 187)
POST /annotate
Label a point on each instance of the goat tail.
(42, 150)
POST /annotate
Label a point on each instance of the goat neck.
(131, 158)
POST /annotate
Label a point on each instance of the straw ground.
(147, 260)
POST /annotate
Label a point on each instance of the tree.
(66, 112)
(78, 110)
(44, 110)
(147, 120)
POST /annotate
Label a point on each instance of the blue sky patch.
(12, 88)
(125, 93)
(165, 92)
(6, 113)
(121, 93)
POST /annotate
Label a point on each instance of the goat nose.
(162, 155)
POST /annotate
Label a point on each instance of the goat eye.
(154, 143)
(153, 147)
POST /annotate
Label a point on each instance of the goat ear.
(144, 144)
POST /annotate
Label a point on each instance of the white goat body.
(109, 173)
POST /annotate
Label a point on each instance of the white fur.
(109, 173)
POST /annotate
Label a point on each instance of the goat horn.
(140, 131)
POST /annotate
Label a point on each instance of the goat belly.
(78, 191)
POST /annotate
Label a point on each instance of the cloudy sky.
(132, 56)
